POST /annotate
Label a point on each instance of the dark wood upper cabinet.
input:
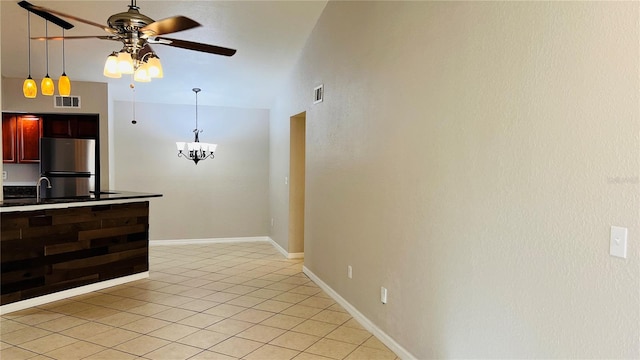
(29, 134)
(70, 126)
(9, 135)
(56, 127)
(87, 127)
(21, 138)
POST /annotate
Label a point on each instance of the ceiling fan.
(135, 30)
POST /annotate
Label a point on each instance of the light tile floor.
(211, 301)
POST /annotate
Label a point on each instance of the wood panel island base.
(53, 251)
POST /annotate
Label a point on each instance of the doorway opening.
(296, 182)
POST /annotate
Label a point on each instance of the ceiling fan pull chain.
(133, 102)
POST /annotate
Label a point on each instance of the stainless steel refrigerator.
(70, 165)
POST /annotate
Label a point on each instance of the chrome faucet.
(38, 186)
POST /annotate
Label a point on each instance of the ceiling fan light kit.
(195, 150)
(136, 31)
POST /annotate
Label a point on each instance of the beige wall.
(222, 197)
(471, 157)
(93, 101)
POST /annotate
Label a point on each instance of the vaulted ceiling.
(268, 36)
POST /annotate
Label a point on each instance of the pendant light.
(47, 84)
(29, 87)
(64, 84)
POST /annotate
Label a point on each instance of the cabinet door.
(87, 127)
(29, 134)
(57, 127)
(9, 132)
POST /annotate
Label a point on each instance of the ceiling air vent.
(66, 101)
(318, 93)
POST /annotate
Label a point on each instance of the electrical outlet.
(271, 222)
(4, 175)
(383, 295)
(349, 272)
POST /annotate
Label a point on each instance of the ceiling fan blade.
(169, 25)
(45, 15)
(46, 11)
(190, 45)
(105, 37)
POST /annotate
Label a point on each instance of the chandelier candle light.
(196, 150)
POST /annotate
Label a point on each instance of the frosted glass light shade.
(29, 88)
(155, 68)
(64, 85)
(141, 74)
(180, 145)
(125, 63)
(47, 86)
(111, 67)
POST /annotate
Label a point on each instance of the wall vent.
(318, 93)
(66, 101)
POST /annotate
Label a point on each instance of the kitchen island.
(56, 248)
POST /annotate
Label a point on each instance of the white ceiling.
(268, 35)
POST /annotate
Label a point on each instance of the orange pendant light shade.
(64, 85)
(29, 88)
(47, 86)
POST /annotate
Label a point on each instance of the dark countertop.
(104, 195)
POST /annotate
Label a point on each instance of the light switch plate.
(383, 295)
(618, 245)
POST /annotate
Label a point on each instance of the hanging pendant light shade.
(29, 87)
(64, 84)
(46, 85)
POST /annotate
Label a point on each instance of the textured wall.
(222, 197)
(471, 157)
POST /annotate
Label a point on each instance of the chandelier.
(196, 150)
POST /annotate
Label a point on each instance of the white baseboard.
(360, 318)
(284, 252)
(228, 240)
(208, 241)
(60, 295)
